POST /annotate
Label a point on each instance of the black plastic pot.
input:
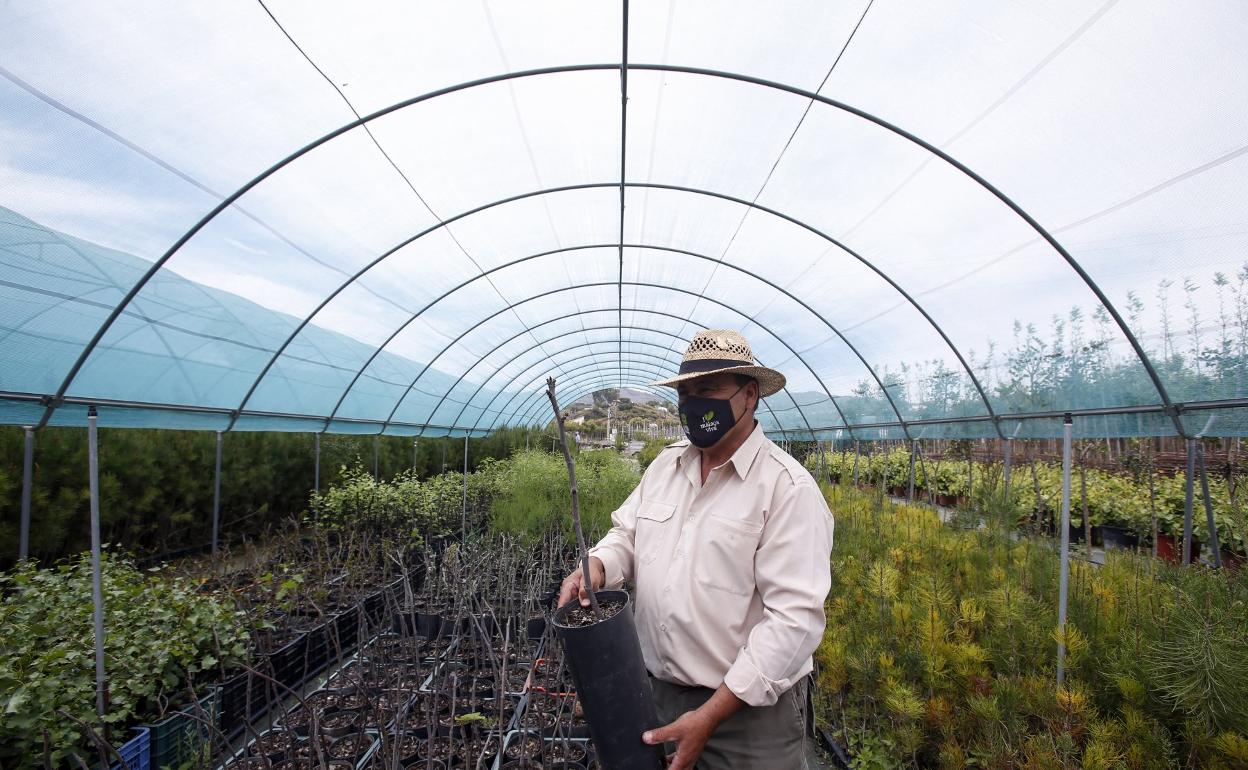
(611, 681)
(1119, 537)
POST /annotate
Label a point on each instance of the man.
(727, 539)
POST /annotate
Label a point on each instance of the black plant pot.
(1119, 537)
(611, 681)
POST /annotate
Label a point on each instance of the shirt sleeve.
(615, 549)
(793, 574)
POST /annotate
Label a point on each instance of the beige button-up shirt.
(731, 576)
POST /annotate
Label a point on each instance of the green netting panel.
(936, 224)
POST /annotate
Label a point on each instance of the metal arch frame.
(588, 375)
(551, 357)
(660, 313)
(562, 250)
(524, 404)
(482, 321)
(620, 351)
(587, 386)
(527, 406)
(479, 323)
(623, 67)
(487, 408)
(576, 392)
(385, 343)
(532, 404)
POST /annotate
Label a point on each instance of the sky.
(1120, 127)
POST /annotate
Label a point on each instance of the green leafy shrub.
(160, 634)
(533, 495)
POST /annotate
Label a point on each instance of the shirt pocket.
(652, 518)
(724, 559)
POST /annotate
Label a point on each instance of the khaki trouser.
(767, 738)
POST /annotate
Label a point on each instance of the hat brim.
(769, 380)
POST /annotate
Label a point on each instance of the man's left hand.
(690, 732)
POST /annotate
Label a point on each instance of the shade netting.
(937, 219)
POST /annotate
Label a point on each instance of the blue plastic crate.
(136, 752)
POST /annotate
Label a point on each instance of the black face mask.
(707, 420)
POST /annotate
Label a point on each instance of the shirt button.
(667, 589)
(663, 628)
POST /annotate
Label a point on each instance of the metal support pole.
(216, 498)
(914, 450)
(415, 453)
(464, 523)
(376, 457)
(1188, 501)
(1214, 546)
(855, 462)
(97, 590)
(28, 481)
(1009, 458)
(1064, 578)
(823, 475)
(316, 480)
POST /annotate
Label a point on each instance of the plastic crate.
(178, 738)
(136, 753)
(234, 701)
(290, 664)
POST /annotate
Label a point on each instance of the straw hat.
(715, 351)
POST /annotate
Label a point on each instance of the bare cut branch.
(586, 580)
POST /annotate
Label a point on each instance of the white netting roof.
(936, 219)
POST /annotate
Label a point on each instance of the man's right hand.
(573, 585)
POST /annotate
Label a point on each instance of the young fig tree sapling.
(586, 580)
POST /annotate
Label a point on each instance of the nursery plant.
(605, 656)
(940, 651)
(162, 634)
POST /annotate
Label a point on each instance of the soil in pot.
(341, 722)
(525, 746)
(248, 763)
(274, 744)
(420, 764)
(350, 747)
(536, 719)
(581, 617)
(441, 747)
(565, 751)
(321, 699)
(485, 747)
(297, 721)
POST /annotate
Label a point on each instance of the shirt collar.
(742, 459)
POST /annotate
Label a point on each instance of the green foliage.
(940, 650)
(533, 495)
(651, 450)
(161, 632)
(156, 486)
(1118, 498)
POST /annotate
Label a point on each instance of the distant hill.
(636, 396)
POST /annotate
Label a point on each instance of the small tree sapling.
(586, 580)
